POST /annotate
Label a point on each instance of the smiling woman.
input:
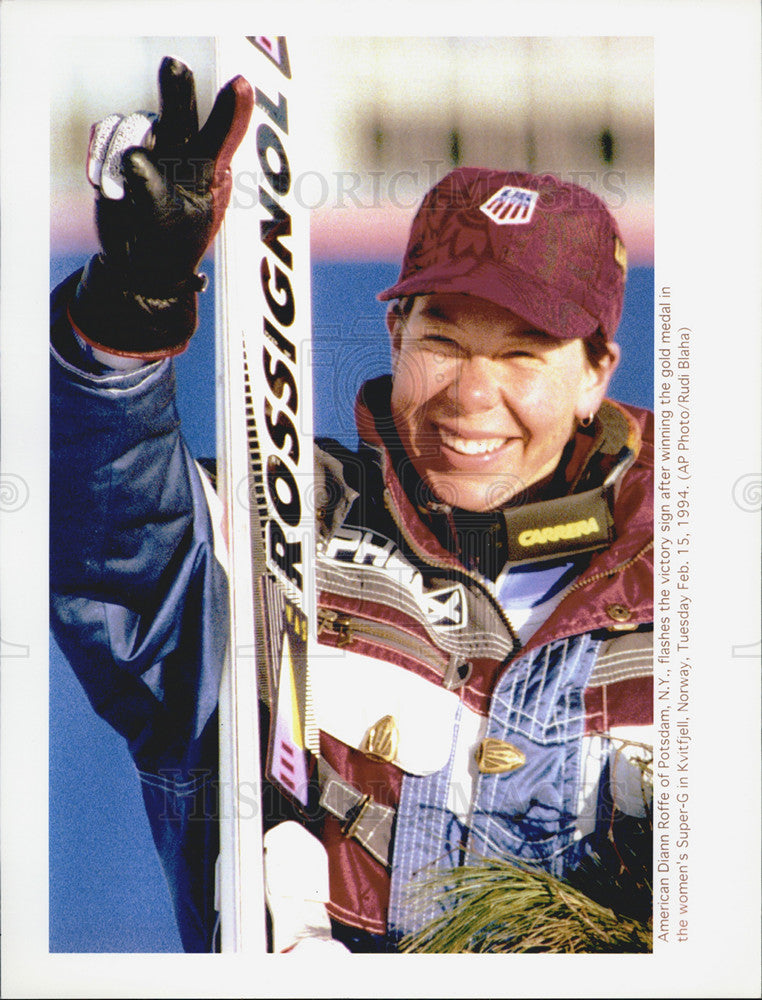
(484, 403)
(493, 470)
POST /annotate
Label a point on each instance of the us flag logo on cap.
(510, 206)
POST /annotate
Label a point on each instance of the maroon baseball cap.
(548, 250)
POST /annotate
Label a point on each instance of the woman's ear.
(597, 381)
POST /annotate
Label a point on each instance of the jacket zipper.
(583, 582)
(450, 570)
(346, 628)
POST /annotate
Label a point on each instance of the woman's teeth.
(471, 446)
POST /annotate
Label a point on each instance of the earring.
(586, 421)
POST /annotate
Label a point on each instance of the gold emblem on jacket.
(382, 740)
(498, 757)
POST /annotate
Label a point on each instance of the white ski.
(264, 392)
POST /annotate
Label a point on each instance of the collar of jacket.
(616, 589)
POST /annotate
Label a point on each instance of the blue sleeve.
(138, 599)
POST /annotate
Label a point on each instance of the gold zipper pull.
(332, 623)
(326, 620)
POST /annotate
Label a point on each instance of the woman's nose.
(475, 386)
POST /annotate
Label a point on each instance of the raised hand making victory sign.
(163, 187)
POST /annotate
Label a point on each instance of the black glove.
(138, 296)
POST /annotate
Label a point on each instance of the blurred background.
(387, 117)
(390, 116)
